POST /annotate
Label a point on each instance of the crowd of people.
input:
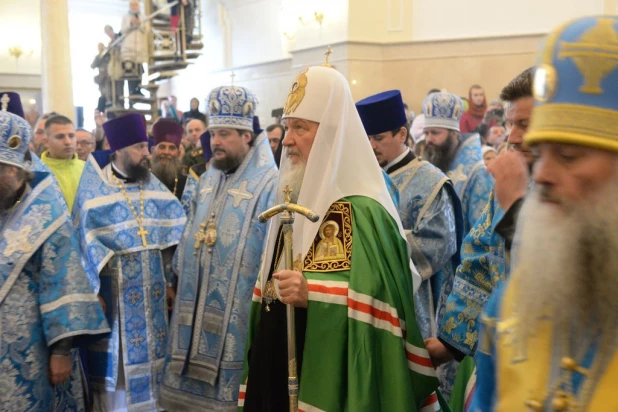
(426, 266)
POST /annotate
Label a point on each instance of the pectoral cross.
(287, 192)
(200, 237)
(143, 232)
(5, 102)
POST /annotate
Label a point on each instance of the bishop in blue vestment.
(218, 260)
(457, 155)
(46, 300)
(127, 220)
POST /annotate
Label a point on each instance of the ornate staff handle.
(287, 211)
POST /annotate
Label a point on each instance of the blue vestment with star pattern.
(45, 297)
(204, 364)
(129, 276)
(484, 265)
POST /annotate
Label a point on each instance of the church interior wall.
(378, 45)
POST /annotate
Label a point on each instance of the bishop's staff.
(287, 211)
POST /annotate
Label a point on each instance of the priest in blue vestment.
(218, 260)
(46, 300)
(429, 209)
(73, 394)
(486, 248)
(127, 222)
(458, 155)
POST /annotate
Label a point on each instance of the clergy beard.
(568, 263)
(139, 172)
(166, 172)
(9, 196)
(291, 175)
(441, 156)
(229, 162)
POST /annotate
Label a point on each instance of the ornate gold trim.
(574, 124)
(341, 213)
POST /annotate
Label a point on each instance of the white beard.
(291, 175)
(569, 264)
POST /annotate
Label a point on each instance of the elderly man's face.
(299, 137)
(85, 144)
(165, 152)
(570, 174)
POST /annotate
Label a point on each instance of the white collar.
(396, 160)
(119, 172)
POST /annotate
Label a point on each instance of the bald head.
(195, 128)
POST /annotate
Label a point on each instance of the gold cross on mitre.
(4, 100)
(595, 54)
(233, 75)
(329, 51)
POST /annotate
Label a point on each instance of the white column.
(56, 58)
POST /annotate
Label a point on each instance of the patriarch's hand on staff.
(293, 288)
(59, 368)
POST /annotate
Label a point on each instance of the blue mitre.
(443, 110)
(11, 102)
(576, 85)
(15, 135)
(232, 107)
(382, 112)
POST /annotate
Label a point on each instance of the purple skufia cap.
(206, 151)
(125, 131)
(11, 102)
(165, 130)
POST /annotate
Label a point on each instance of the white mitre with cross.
(341, 162)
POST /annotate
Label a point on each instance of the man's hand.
(438, 353)
(99, 118)
(512, 177)
(102, 303)
(293, 288)
(171, 297)
(59, 368)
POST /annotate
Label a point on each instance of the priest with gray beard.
(549, 335)
(166, 161)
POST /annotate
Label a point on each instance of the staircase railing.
(161, 44)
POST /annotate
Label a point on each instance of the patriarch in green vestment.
(359, 347)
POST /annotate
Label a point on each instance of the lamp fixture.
(318, 16)
(17, 51)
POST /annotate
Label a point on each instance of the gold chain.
(138, 218)
(175, 184)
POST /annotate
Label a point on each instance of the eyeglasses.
(85, 143)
